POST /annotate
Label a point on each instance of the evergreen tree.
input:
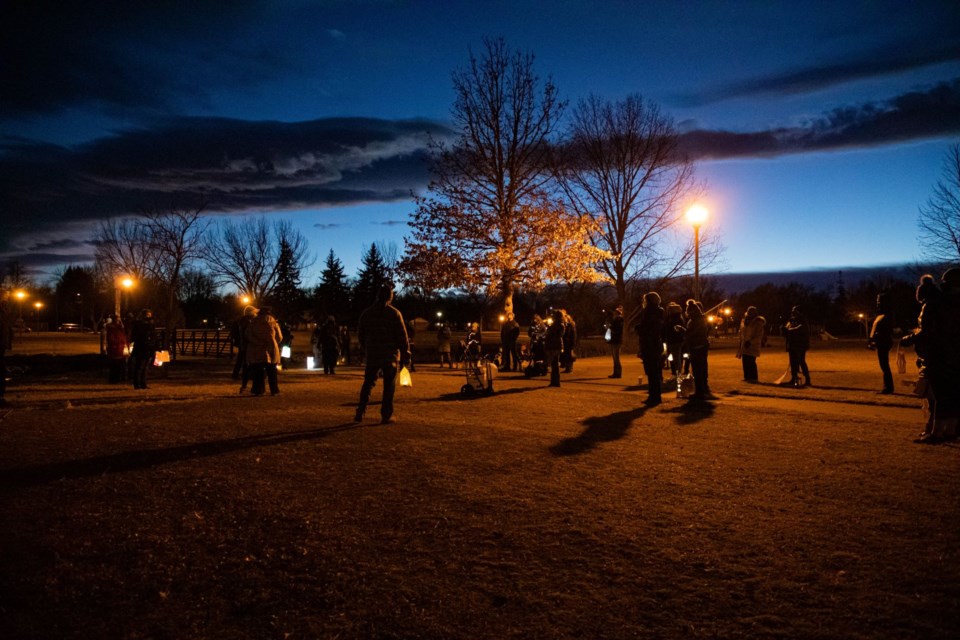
(286, 295)
(371, 277)
(332, 295)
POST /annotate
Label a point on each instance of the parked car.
(69, 327)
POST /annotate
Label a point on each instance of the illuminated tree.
(621, 166)
(940, 218)
(488, 222)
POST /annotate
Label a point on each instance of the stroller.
(481, 373)
(537, 359)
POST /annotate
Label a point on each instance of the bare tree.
(621, 166)
(489, 223)
(940, 218)
(245, 254)
(157, 246)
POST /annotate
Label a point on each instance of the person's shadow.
(691, 412)
(598, 429)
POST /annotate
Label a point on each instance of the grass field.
(189, 511)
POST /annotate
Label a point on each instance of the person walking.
(881, 340)
(509, 335)
(553, 345)
(797, 334)
(443, 345)
(650, 331)
(330, 345)
(144, 339)
(673, 331)
(264, 338)
(752, 337)
(383, 338)
(615, 329)
(117, 348)
(697, 343)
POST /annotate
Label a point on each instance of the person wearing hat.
(263, 351)
(382, 334)
(751, 339)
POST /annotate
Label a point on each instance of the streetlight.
(20, 295)
(863, 320)
(124, 283)
(696, 216)
(38, 305)
(245, 299)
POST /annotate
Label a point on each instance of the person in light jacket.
(752, 337)
(263, 351)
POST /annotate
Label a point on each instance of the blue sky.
(820, 127)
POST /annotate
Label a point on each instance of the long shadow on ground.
(133, 460)
(692, 412)
(599, 429)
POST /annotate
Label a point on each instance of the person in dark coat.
(553, 345)
(673, 329)
(797, 334)
(239, 341)
(650, 331)
(383, 337)
(509, 335)
(615, 327)
(881, 339)
(144, 339)
(937, 341)
(330, 345)
(696, 343)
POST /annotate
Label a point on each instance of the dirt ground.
(190, 511)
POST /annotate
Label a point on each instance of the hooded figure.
(383, 337)
(751, 339)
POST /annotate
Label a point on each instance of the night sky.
(820, 127)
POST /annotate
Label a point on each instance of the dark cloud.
(324, 226)
(916, 115)
(892, 59)
(237, 166)
(392, 223)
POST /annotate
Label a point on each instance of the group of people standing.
(130, 347)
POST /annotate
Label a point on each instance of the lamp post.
(38, 305)
(696, 216)
(125, 283)
(20, 295)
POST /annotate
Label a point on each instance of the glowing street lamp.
(245, 299)
(124, 283)
(38, 305)
(20, 295)
(696, 215)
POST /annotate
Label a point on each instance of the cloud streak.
(930, 113)
(892, 59)
(238, 166)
